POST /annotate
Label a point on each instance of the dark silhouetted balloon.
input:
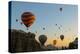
(21, 23)
(60, 9)
(54, 42)
(28, 18)
(59, 27)
(16, 20)
(56, 24)
(61, 37)
(42, 39)
(43, 28)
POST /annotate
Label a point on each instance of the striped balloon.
(27, 18)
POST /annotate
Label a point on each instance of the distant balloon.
(36, 31)
(43, 28)
(56, 24)
(60, 9)
(59, 27)
(16, 20)
(54, 42)
(21, 23)
(61, 37)
(42, 39)
(27, 18)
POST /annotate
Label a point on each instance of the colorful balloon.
(28, 18)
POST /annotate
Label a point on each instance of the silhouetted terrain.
(20, 41)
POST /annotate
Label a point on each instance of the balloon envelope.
(42, 39)
(54, 42)
(59, 27)
(43, 28)
(16, 20)
(60, 9)
(61, 37)
(56, 24)
(27, 18)
(21, 23)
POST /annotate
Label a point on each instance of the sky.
(47, 16)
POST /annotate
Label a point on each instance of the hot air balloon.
(42, 39)
(61, 37)
(59, 27)
(54, 42)
(28, 19)
(60, 9)
(56, 24)
(21, 23)
(43, 28)
(16, 20)
(36, 31)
